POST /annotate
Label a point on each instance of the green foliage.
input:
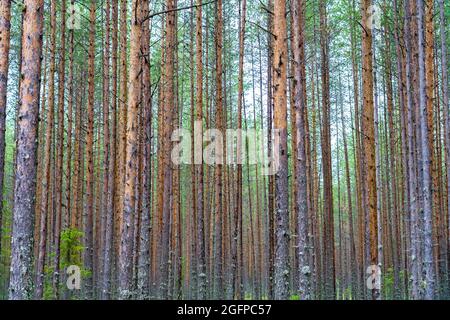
(248, 296)
(71, 253)
(347, 294)
(71, 247)
(72, 250)
(48, 288)
(388, 283)
(387, 286)
(5, 250)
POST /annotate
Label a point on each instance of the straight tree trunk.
(426, 164)
(430, 101)
(70, 104)
(78, 147)
(300, 158)
(201, 263)
(238, 205)
(107, 214)
(60, 151)
(5, 29)
(164, 167)
(445, 105)
(41, 147)
(271, 184)
(358, 156)
(280, 60)
(144, 243)
(369, 138)
(44, 206)
(352, 247)
(20, 283)
(194, 240)
(219, 212)
(414, 201)
(129, 198)
(110, 226)
(328, 228)
(122, 124)
(392, 164)
(89, 207)
(158, 221)
(401, 71)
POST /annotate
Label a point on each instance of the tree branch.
(176, 9)
(263, 29)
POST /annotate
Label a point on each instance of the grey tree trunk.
(304, 269)
(413, 210)
(20, 283)
(425, 168)
(107, 214)
(109, 228)
(144, 232)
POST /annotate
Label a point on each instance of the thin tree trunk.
(392, 164)
(144, 250)
(328, 228)
(201, 263)
(301, 200)
(89, 209)
(5, 29)
(219, 213)
(352, 249)
(107, 206)
(122, 125)
(44, 206)
(60, 151)
(70, 104)
(110, 209)
(238, 205)
(445, 107)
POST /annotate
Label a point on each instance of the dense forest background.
(350, 95)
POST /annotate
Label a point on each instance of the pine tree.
(20, 282)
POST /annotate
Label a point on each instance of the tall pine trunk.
(20, 283)
(280, 61)
(369, 140)
(301, 200)
(89, 206)
(129, 197)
